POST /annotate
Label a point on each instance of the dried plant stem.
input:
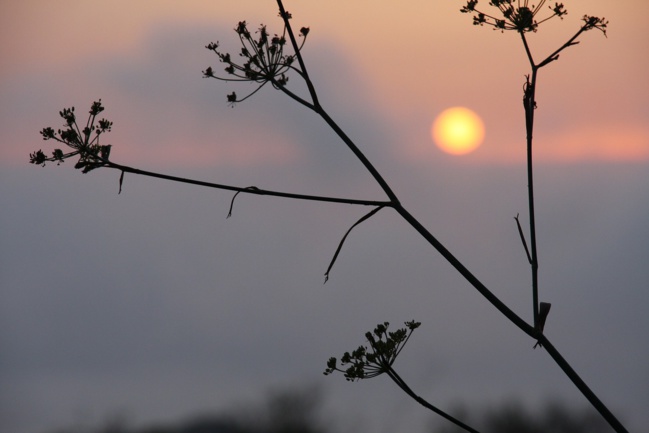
(247, 190)
(529, 104)
(405, 388)
(315, 106)
(532, 330)
(96, 156)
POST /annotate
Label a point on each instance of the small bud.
(96, 108)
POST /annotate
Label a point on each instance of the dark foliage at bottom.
(300, 412)
(514, 418)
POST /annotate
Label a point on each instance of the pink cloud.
(603, 142)
(252, 150)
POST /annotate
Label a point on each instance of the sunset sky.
(153, 304)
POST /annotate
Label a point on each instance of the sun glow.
(458, 131)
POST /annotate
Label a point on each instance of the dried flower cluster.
(521, 16)
(85, 142)
(365, 363)
(264, 60)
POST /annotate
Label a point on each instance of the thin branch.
(286, 17)
(527, 50)
(520, 232)
(121, 181)
(555, 55)
(247, 190)
(581, 385)
(318, 109)
(402, 384)
(539, 317)
(361, 157)
(462, 269)
(235, 196)
(342, 241)
(529, 104)
(294, 96)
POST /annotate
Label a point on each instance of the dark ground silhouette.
(300, 412)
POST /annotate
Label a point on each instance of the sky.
(151, 303)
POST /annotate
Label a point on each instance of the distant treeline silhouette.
(301, 412)
(512, 417)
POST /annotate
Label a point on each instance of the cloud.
(614, 142)
(166, 115)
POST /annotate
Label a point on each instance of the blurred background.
(150, 308)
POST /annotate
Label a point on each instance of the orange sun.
(458, 131)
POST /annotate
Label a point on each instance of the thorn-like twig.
(342, 241)
(520, 232)
(121, 181)
(250, 188)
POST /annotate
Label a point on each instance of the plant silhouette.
(274, 58)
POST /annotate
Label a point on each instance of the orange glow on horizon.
(596, 143)
(367, 77)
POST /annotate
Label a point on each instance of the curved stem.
(402, 384)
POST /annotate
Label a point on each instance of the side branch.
(555, 55)
(392, 374)
(318, 108)
(286, 17)
(342, 241)
(520, 232)
(248, 189)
